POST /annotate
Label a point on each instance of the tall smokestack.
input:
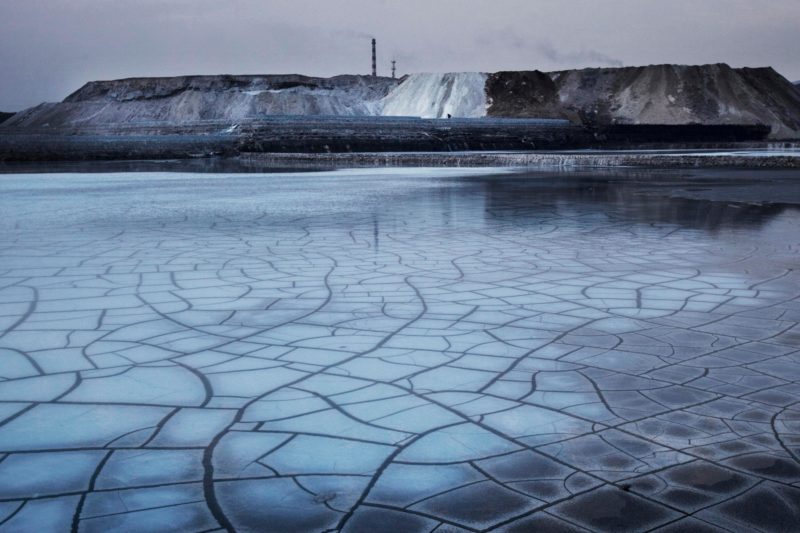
(374, 58)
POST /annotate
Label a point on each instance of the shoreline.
(751, 159)
(777, 158)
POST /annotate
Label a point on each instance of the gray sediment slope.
(184, 100)
(655, 94)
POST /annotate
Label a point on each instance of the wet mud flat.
(400, 350)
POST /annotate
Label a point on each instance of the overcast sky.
(49, 48)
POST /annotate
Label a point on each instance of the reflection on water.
(698, 199)
(626, 200)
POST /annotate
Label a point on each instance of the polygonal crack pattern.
(452, 361)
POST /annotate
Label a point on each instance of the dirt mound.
(656, 94)
(523, 94)
(456, 94)
(192, 99)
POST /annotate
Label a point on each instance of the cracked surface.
(396, 351)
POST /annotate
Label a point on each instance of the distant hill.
(656, 95)
(5, 116)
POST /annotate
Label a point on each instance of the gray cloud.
(546, 52)
(581, 57)
(352, 34)
(49, 48)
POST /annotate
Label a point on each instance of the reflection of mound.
(643, 197)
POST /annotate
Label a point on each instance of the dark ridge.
(634, 134)
(299, 134)
(5, 116)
